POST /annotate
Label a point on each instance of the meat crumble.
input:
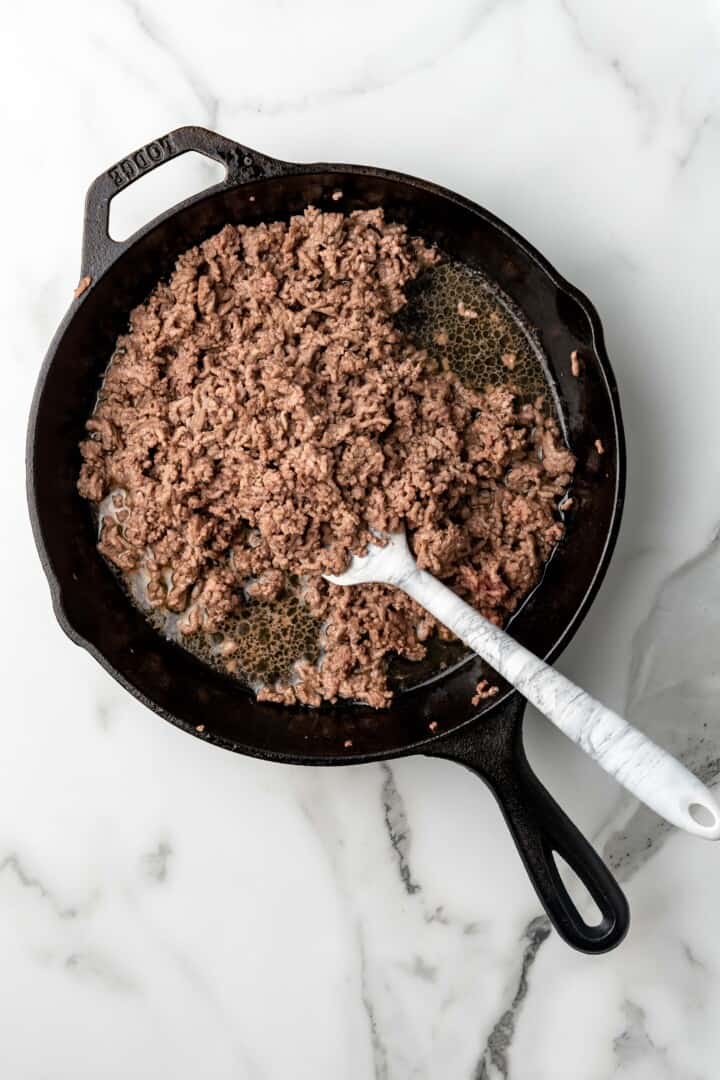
(264, 413)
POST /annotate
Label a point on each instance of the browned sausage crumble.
(264, 412)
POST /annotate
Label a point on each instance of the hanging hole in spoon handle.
(494, 751)
(703, 817)
(644, 767)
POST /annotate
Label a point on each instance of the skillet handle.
(540, 830)
(242, 165)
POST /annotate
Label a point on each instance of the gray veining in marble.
(170, 910)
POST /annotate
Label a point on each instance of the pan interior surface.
(465, 323)
(88, 597)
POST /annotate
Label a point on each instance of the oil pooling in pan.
(466, 323)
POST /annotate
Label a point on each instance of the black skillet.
(93, 610)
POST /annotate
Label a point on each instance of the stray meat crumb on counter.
(82, 286)
(264, 413)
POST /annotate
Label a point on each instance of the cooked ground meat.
(264, 413)
(483, 691)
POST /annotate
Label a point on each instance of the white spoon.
(645, 769)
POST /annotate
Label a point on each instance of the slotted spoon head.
(389, 563)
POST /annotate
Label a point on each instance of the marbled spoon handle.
(644, 768)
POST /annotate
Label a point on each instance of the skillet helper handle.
(242, 165)
(541, 829)
(640, 765)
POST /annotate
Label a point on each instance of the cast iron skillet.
(93, 610)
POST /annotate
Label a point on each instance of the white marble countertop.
(171, 910)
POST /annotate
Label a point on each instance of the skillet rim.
(432, 743)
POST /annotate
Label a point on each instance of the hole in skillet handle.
(242, 165)
(137, 203)
(494, 751)
(583, 897)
